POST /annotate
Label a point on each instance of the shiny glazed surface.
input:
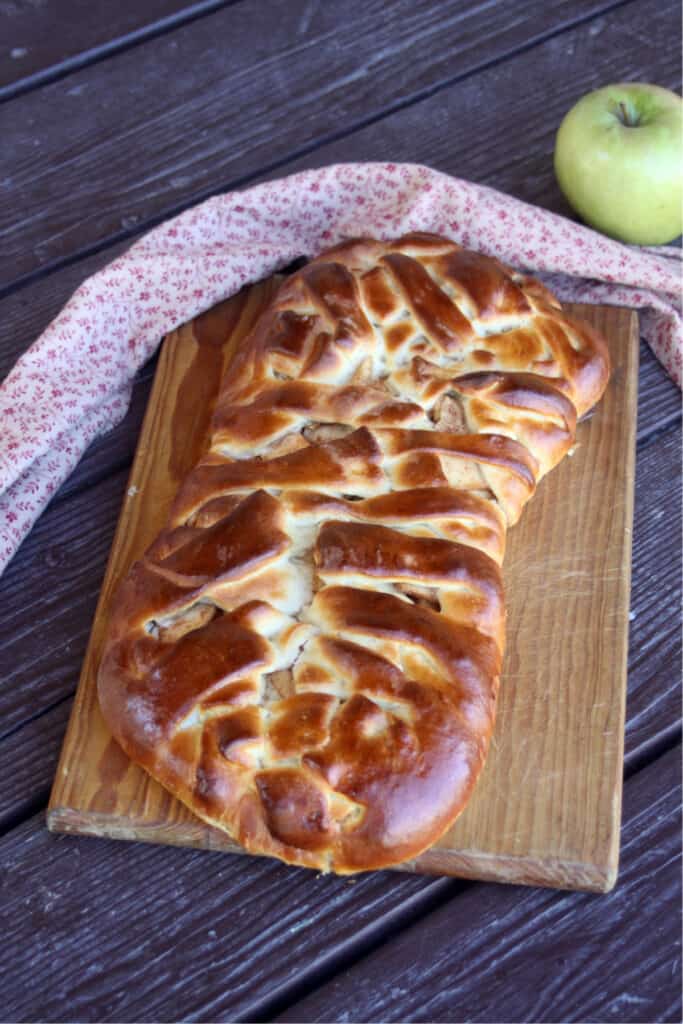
(308, 655)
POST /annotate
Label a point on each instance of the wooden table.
(116, 116)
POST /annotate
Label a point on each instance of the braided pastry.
(308, 655)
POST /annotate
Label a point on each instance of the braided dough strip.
(308, 655)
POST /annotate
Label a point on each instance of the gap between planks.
(98, 52)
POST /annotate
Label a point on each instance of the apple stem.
(625, 116)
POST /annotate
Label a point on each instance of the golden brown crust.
(308, 655)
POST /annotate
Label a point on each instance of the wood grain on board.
(546, 810)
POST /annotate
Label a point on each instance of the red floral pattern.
(74, 382)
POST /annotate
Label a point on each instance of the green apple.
(619, 162)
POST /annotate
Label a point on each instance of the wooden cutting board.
(547, 808)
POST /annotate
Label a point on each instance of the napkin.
(74, 382)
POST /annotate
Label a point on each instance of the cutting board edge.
(632, 378)
(474, 865)
(103, 597)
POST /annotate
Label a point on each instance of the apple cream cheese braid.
(308, 655)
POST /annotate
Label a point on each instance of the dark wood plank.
(48, 594)
(41, 40)
(103, 931)
(56, 575)
(213, 97)
(659, 399)
(498, 127)
(28, 760)
(654, 674)
(99, 930)
(515, 955)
